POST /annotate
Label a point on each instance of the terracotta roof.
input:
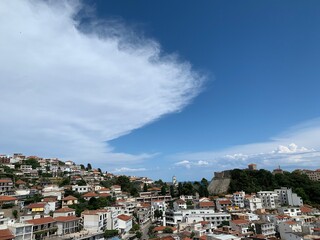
(70, 197)
(40, 221)
(5, 181)
(104, 195)
(90, 194)
(291, 222)
(93, 212)
(305, 209)
(7, 198)
(145, 205)
(164, 238)
(36, 205)
(180, 201)
(203, 237)
(65, 209)
(116, 186)
(49, 199)
(224, 201)
(124, 217)
(206, 204)
(282, 216)
(204, 222)
(104, 189)
(20, 182)
(161, 228)
(240, 221)
(5, 234)
(66, 218)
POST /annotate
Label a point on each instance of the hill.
(258, 180)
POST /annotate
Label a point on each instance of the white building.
(173, 218)
(81, 189)
(124, 223)
(94, 220)
(179, 204)
(253, 203)
(269, 199)
(21, 231)
(290, 211)
(238, 199)
(284, 228)
(265, 228)
(287, 197)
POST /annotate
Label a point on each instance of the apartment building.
(269, 199)
(21, 231)
(94, 220)
(43, 227)
(238, 199)
(287, 197)
(6, 186)
(266, 228)
(253, 203)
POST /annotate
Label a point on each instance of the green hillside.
(254, 181)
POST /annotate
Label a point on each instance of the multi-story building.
(6, 186)
(21, 231)
(43, 227)
(173, 218)
(287, 197)
(67, 224)
(265, 228)
(253, 203)
(95, 220)
(81, 189)
(269, 199)
(238, 199)
(289, 211)
(124, 223)
(242, 226)
(313, 175)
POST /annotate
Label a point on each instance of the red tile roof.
(65, 209)
(240, 221)
(90, 194)
(66, 218)
(305, 209)
(104, 195)
(36, 205)
(5, 181)
(5, 234)
(161, 228)
(124, 217)
(69, 198)
(20, 182)
(206, 204)
(49, 199)
(225, 202)
(40, 221)
(7, 198)
(291, 222)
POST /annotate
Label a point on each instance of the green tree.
(138, 235)
(89, 167)
(158, 213)
(110, 233)
(163, 190)
(145, 187)
(167, 230)
(33, 162)
(15, 213)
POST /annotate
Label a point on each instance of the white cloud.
(127, 170)
(189, 164)
(296, 148)
(65, 93)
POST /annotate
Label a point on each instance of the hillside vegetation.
(263, 180)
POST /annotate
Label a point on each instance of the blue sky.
(162, 88)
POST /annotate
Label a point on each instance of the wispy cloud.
(128, 170)
(295, 148)
(66, 91)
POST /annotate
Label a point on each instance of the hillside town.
(53, 199)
